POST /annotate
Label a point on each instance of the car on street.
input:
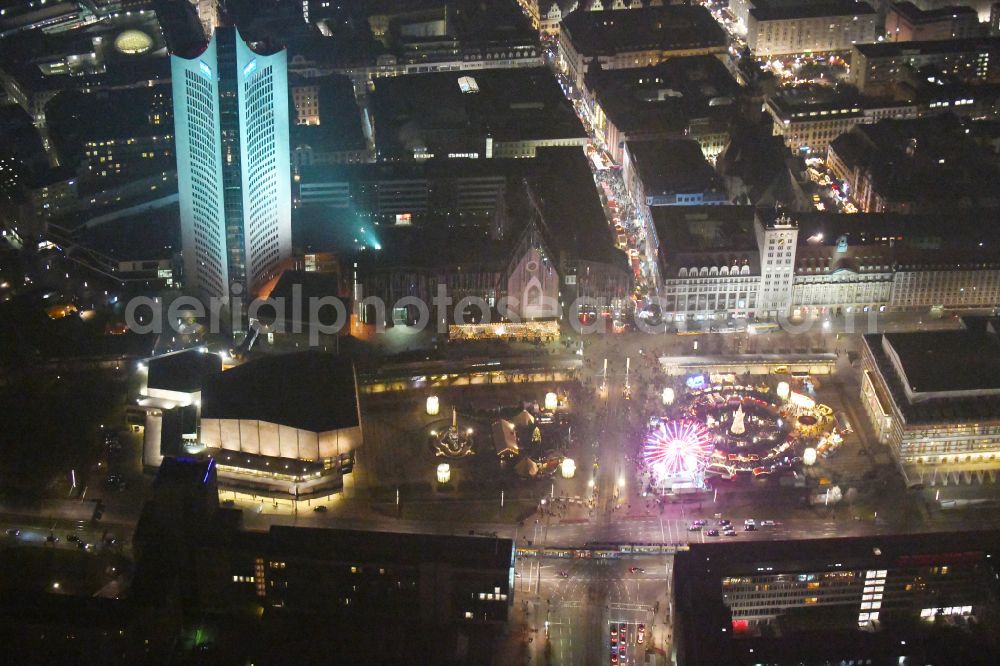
(564, 574)
(72, 537)
(767, 523)
(640, 634)
(52, 538)
(320, 509)
(725, 522)
(13, 532)
(749, 521)
(614, 635)
(694, 528)
(701, 522)
(712, 533)
(636, 570)
(749, 528)
(730, 532)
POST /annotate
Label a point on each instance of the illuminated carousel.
(749, 433)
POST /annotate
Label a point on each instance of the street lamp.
(433, 405)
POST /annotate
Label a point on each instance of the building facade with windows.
(900, 599)
(876, 68)
(934, 398)
(826, 27)
(905, 22)
(627, 38)
(729, 261)
(231, 133)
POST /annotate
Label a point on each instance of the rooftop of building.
(310, 390)
(664, 97)
(434, 247)
(944, 46)
(828, 632)
(339, 116)
(715, 560)
(672, 166)
(947, 361)
(939, 363)
(928, 160)
(697, 236)
(777, 11)
(666, 28)
(305, 287)
(818, 102)
(432, 111)
(764, 164)
(369, 547)
(182, 371)
(705, 228)
(562, 185)
(916, 15)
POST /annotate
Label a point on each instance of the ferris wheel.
(677, 450)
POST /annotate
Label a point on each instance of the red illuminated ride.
(678, 449)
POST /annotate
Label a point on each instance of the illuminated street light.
(809, 456)
(567, 468)
(784, 390)
(443, 473)
(433, 405)
(668, 396)
(551, 401)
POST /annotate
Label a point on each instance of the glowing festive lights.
(679, 448)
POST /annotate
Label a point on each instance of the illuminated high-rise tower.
(233, 170)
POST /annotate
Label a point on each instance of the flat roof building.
(905, 22)
(915, 166)
(823, 27)
(284, 424)
(934, 399)
(694, 96)
(620, 39)
(670, 172)
(485, 114)
(922, 598)
(876, 68)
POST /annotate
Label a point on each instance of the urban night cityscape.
(501, 332)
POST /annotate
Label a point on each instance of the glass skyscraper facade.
(233, 164)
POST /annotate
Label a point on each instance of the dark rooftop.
(893, 49)
(387, 547)
(670, 27)
(563, 186)
(777, 12)
(182, 371)
(431, 111)
(664, 97)
(705, 228)
(914, 14)
(673, 166)
(947, 361)
(310, 390)
(928, 161)
(946, 358)
(695, 236)
(339, 116)
(828, 632)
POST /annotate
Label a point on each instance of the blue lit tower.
(233, 170)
